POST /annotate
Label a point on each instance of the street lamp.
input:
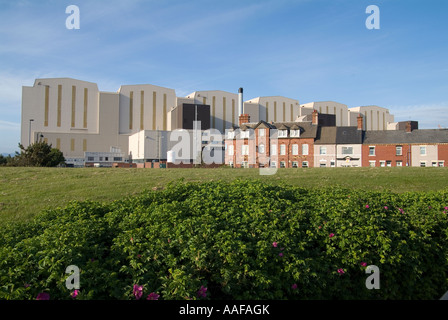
(29, 135)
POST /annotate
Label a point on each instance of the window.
(274, 149)
(245, 134)
(282, 149)
(434, 164)
(282, 133)
(282, 164)
(332, 163)
(305, 149)
(347, 150)
(230, 135)
(372, 163)
(323, 150)
(399, 150)
(440, 163)
(295, 133)
(273, 164)
(245, 149)
(295, 149)
(90, 159)
(382, 163)
(399, 163)
(423, 151)
(371, 151)
(261, 148)
(388, 163)
(295, 164)
(244, 164)
(422, 163)
(305, 164)
(118, 159)
(106, 158)
(323, 165)
(261, 132)
(231, 150)
(231, 164)
(101, 158)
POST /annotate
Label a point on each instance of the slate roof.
(403, 137)
(307, 130)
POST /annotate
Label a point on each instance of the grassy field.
(27, 191)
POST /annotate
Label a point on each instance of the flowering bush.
(239, 240)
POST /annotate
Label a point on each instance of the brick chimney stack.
(244, 118)
(315, 119)
(408, 126)
(360, 124)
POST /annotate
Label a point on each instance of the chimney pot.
(360, 124)
(315, 119)
(244, 118)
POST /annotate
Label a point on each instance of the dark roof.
(326, 135)
(403, 137)
(339, 135)
(307, 130)
(348, 135)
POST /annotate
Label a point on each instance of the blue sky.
(310, 50)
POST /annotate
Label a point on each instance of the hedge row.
(238, 240)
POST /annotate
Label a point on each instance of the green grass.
(25, 192)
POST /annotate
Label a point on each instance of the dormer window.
(230, 135)
(261, 132)
(295, 133)
(282, 133)
(245, 134)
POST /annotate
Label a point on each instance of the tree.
(38, 154)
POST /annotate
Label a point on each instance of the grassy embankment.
(27, 191)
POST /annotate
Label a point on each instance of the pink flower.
(153, 296)
(280, 254)
(367, 206)
(363, 264)
(74, 294)
(401, 210)
(341, 271)
(386, 207)
(137, 291)
(320, 227)
(294, 286)
(43, 296)
(446, 208)
(274, 244)
(202, 292)
(331, 235)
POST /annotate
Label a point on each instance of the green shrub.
(240, 240)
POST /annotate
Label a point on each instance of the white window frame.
(388, 163)
(245, 134)
(372, 162)
(230, 150)
(346, 148)
(273, 164)
(231, 135)
(332, 163)
(282, 164)
(283, 149)
(423, 148)
(295, 164)
(305, 164)
(282, 133)
(261, 132)
(383, 163)
(305, 149)
(372, 148)
(295, 133)
(245, 149)
(322, 150)
(295, 149)
(399, 163)
(422, 164)
(399, 148)
(261, 148)
(274, 150)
